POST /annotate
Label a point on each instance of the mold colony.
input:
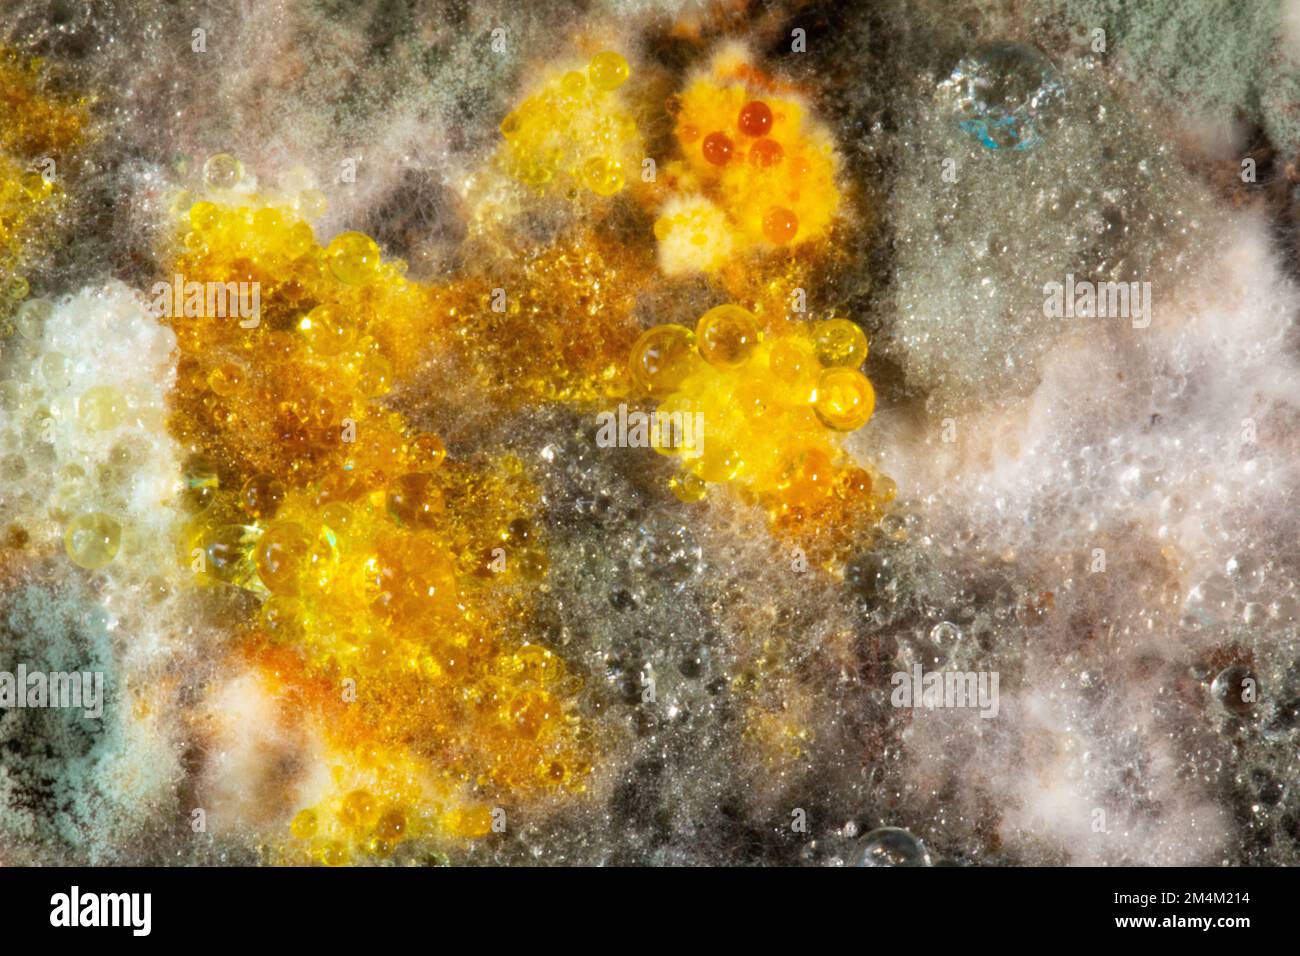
(379, 591)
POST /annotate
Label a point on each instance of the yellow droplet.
(794, 371)
(261, 496)
(325, 330)
(688, 487)
(92, 540)
(54, 368)
(718, 463)
(225, 379)
(357, 809)
(336, 516)
(101, 407)
(573, 83)
(200, 483)
(334, 854)
(840, 342)
(603, 176)
(662, 357)
(428, 451)
(607, 70)
(312, 204)
(845, 399)
(392, 825)
(304, 824)
(280, 554)
(727, 336)
(353, 257)
(376, 376)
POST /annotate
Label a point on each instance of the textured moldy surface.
(331, 341)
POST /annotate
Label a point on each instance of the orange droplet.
(766, 153)
(717, 148)
(780, 225)
(755, 118)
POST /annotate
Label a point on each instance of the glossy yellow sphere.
(840, 342)
(92, 540)
(845, 399)
(280, 556)
(101, 408)
(688, 487)
(326, 330)
(795, 371)
(662, 357)
(357, 809)
(603, 176)
(353, 258)
(608, 70)
(376, 376)
(727, 336)
(304, 824)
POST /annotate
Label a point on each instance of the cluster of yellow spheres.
(574, 129)
(772, 407)
(377, 560)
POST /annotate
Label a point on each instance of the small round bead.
(280, 555)
(414, 501)
(353, 257)
(225, 379)
(795, 370)
(102, 407)
(780, 225)
(223, 171)
(688, 487)
(261, 496)
(92, 540)
(608, 70)
(717, 148)
(845, 399)
(755, 118)
(204, 215)
(603, 176)
(427, 451)
(727, 336)
(325, 330)
(304, 824)
(766, 153)
(662, 357)
(376, 376)
(840, 342)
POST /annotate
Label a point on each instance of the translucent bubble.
(945, 634)
(1007, 95)
(92, 539)
(891, 846)
(102, 407)
(223, 171)
(56, 370)
(1236, 689)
